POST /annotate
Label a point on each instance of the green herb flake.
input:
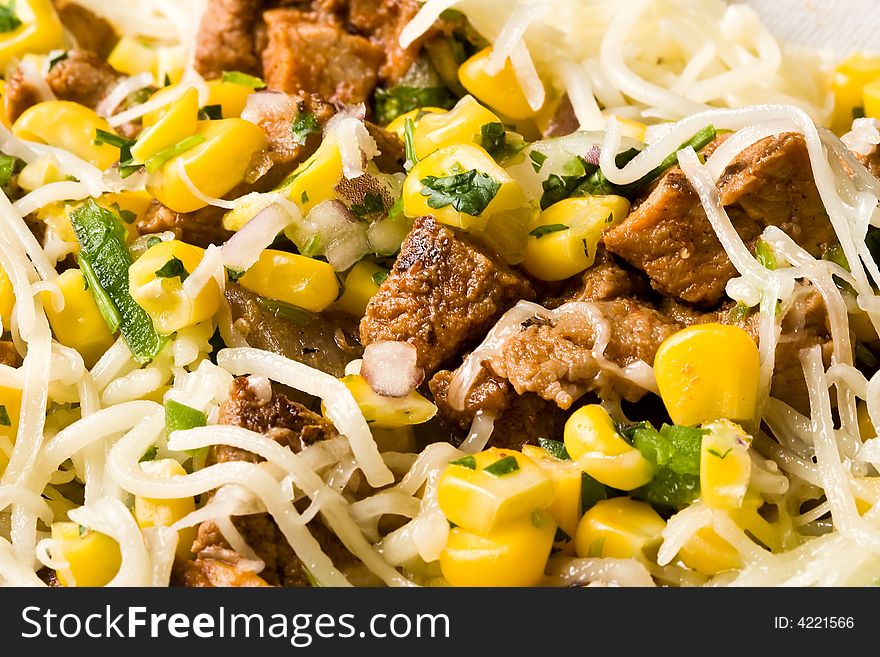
(538, 159)
(57, 58)
(153, 241)
(7, 169)
(592, 492)
(380, 277)
(166, 155)
(409, 145)
(211, 113)
(858, 112)
(234, 274)
(4, 417)
(836, 255)
(243, 79)
(503, 466)
(179, 417)
(540, 231)
(675, 453)
(174, 268)
(499, 143)
(83, 530)
(105, 256)
(312, 247)
(469, 192)
(720, 455)
(304, 125)
(8, 19)
(468, 462)
(372, 204)
(304, 197)
(398, 100)
(765, 255)
(739, 313)
(556, 448)
(149, 455)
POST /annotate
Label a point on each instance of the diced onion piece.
(391, 368)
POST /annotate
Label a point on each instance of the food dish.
(473, 293)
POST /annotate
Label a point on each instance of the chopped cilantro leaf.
(371, 204)
(174, 268)
(556, 448)
(380, 277)
(468, 462)
(502, 466)
(243, 79)
(469, 192)
(211, 113)
(4, 417)
(8, 19)
(396, 101)
(304, 125)
(540, 231)
(538, 159)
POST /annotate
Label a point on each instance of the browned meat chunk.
(202, 227)
(383, 20)
(521, 419)
(441, 294)
(82, 78)
(216, 563)
(318, 57)
(89, 31)
(327, 341)
(564, 122)
(9, 354)
(226, 39)
(669, 237)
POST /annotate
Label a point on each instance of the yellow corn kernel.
(619, 528)
(231, 97)
(93, 558)
(776, 535)
(170, 63)
(151, 117)
(39, 173)
(398, 125)
(871, 98)
(300, 281)
(7, 300)
(501, 91)
(79, 325)
(458, 126)
(850, 78)
(565, 236)
(634, 129)
(10, 400)
(708, 372)
(593, 442)
(40, 31)
(164, 299)
(315, 180)
(388, 412)
(503, 224)
(725, 465)
(866, 425)
(131, 56)
(135, 202)
(566, 476)
(181, 120)
(867, 493)
(515, 554)
(165, 512)
(360, 286)
(70, 126)
(482, 501)
(214, 167)
(709, 554)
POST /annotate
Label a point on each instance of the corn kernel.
(170, 63)
(41, 31)
(502, 224)
(619, 528)
(482, 501)
(593, 442)
(850, 78)
(777, 535)
(165, 512)
(460, 125)
(176, 124)
(709, 554)
(79, 325)
(633, 129)
(566, 476)
(131, 56)
(708, 372)
(398, 125)
(360, 286)
(39, 173)
(315, 180)
(70, 126)
(565, 236)
(725, 465)
(501, 91)
(151, 117)
(867, 429)
(513, 555)
(163, 298)
(231, 97)
(300, 281)
(7, 300)
(388, 412)
(214, 167)
(93, 558)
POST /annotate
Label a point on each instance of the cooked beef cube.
(9, 354)
(90, 32)
(327, 341)
(871, 161)
(669, 236)
(442, 294)
(321, 58)
(82, 78)
(382, 21)
(521, 419)
(556, 359)
(226, 39)
(391, 150)
(202, 227)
